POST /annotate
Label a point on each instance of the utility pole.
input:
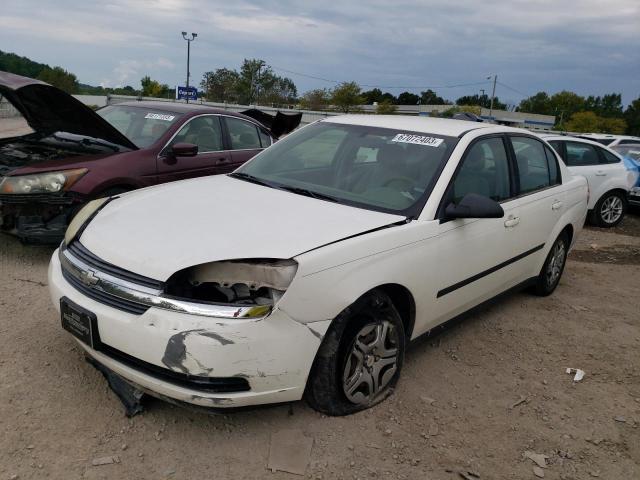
(189, 40)
(493, 94)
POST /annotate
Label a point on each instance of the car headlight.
(49, 182)
(259, 282)
(83, 217)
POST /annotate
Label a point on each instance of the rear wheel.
(553, 267)
(610, 210)
(359, 361)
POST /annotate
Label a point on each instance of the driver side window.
(205, 132)
(485, 171)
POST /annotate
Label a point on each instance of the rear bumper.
(41, 219)
(161, 351)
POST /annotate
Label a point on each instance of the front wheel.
(610, 210)
(553, 267)
(359, 361)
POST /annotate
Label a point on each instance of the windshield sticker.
(159, 116)
(418, 140)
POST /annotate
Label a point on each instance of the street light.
(189, 40)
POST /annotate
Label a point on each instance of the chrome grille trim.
(132, 297)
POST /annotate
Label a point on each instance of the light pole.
(493, 94)
(189, 40)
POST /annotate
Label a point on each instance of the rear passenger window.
(581, 154)
(244, 135)
(485, 171)
(533, 168)
(609, 157)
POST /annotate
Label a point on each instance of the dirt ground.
(473, 398)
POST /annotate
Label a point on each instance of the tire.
(347, 377)
(553, 267)
(610, 210)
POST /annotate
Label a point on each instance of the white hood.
(158, 231)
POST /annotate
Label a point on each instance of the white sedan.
(306, 272)
(608, 178)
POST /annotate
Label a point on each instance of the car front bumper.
(634, 197)
(37, 218)
(159, 351)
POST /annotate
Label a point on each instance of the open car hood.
(48, 109)
(278, 124)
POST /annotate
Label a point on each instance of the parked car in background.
(74, 154)
(631, 155)
(308, 270)
(609, 140)
(609, 180)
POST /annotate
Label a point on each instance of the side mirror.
(184, 150)
(473, 205)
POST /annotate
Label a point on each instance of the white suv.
(609, 180)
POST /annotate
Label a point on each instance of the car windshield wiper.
(89, 141)
(250, 178)
(309, 193)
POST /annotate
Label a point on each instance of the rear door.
(540, 199)
(205, 131)
(245, 139)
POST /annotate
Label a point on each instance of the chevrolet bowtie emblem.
(89, 278)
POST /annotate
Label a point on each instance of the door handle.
(511, 222)
(556, 205)
(600, 173)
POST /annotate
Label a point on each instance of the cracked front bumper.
(151, 350)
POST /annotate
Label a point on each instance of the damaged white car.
(306, 272)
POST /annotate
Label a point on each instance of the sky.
(591, 47)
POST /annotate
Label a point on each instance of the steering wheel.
(403, 181)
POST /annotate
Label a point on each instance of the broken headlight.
(234, 282)
(49, 182)
(81, 218)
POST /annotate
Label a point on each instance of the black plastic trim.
(489, 271)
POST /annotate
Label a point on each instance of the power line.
(513, 89)
(388, 87)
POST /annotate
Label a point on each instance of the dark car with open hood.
(57, 153)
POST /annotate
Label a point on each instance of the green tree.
(632, 117)
(317, 99)
(386, 107)
(609, 105)
(615, 126)
(220, 85)
(60, 78)
(539, 103)
(408, 98)
(346, 96)
(153, 88)
(481, 101)
(564, 105)
(431, 98)
(475, 109)
(583, 122)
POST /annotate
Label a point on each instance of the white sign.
(159, 116)
(418, 140)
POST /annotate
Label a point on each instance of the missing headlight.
(237, 282)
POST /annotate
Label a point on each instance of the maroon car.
(72, 154)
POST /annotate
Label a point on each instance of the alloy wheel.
(371, 363)
(611, 209)
(554, 269)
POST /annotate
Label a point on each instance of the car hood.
(158, 231)
(48, 109)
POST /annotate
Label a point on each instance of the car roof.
(178, 107)
(550, 137)
(413, 123)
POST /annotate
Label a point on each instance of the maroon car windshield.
(143, 126)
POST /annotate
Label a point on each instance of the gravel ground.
(472, 398)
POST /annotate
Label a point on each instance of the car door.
(478, 258)
(204, 131)
(540, 200)
(244, 140)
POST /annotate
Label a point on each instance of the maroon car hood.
(48, 109)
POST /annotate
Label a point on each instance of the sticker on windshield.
(160, 116)
(418, 140)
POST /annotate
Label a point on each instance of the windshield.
(143, 126)
(379, 169)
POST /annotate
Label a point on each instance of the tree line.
(256, 83)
